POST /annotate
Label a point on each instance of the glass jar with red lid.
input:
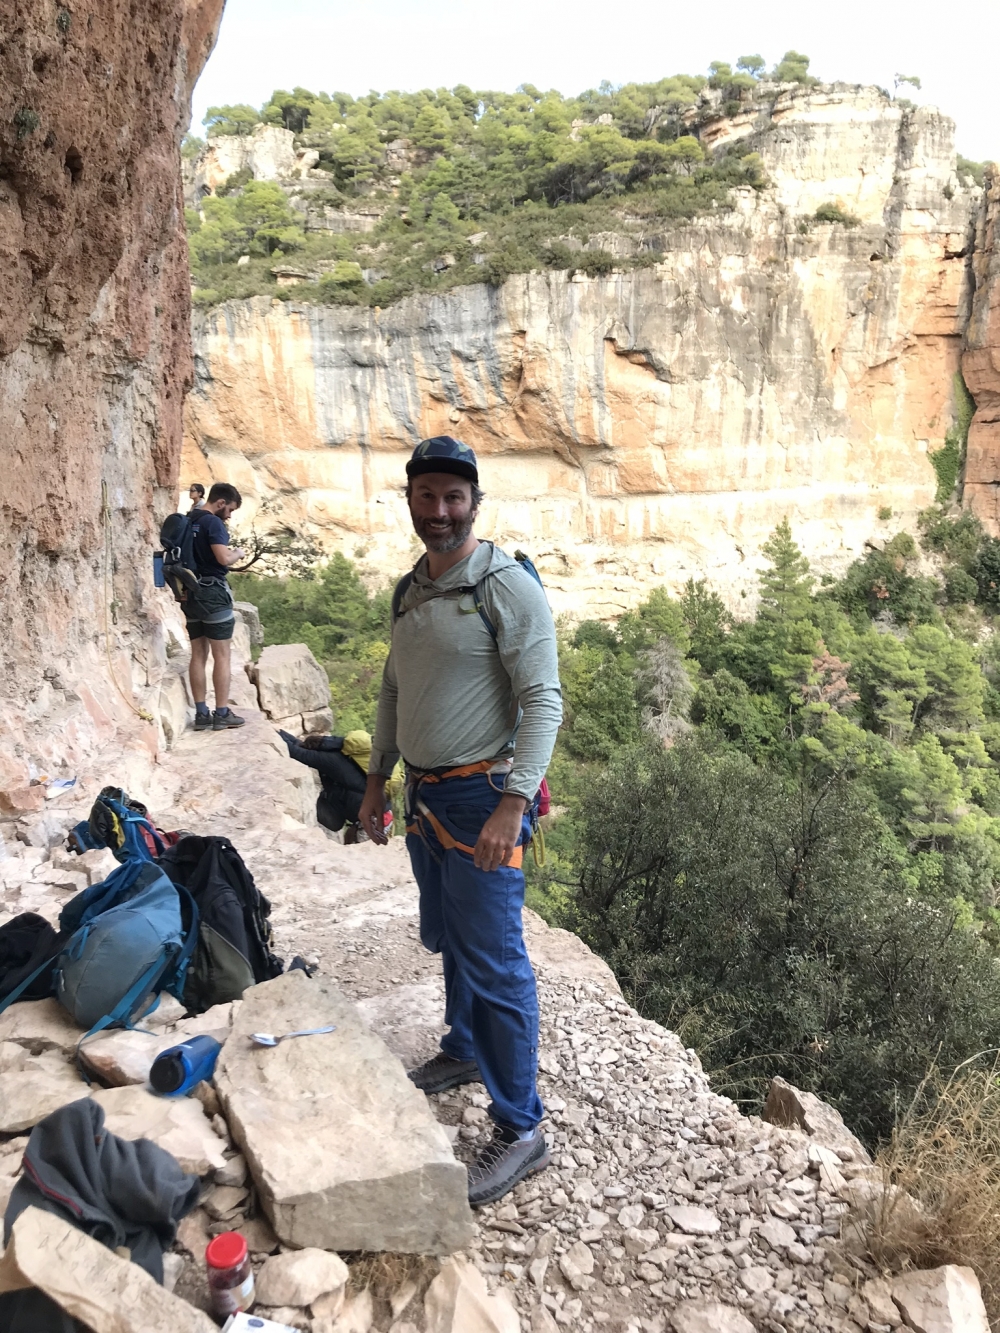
(230, 1276)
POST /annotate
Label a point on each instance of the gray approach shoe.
(442, 1073)
(226, 721)
(505, 1161)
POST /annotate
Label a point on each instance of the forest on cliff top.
(473, 186)
(783, 833)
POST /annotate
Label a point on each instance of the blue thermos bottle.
(177, 1070)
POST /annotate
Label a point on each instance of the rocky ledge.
(664, 1208)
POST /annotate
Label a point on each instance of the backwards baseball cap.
(442, 453)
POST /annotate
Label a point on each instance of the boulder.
(125, 1056)
(791, 1108)
(941, 1300)
(702, 1316)
(320, 722)
(458, 1301)
(90, 1282)
(248, 613)
(300, 1277)
(344, 1150)
(40, 1025)
(289, 681)
(177, 1124)
(39, 1087)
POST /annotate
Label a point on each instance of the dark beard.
(443, 543)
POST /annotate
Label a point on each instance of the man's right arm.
(228, 555)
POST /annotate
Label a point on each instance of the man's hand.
(371, 816)
(500, 833)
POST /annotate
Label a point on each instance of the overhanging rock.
(344, 1150)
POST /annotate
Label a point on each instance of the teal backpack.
(120, 944)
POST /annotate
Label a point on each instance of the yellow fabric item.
(358, 746)
(397, 782)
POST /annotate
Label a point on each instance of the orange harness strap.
(466, 771)
(450, 844)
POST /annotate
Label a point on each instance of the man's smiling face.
(442, 511)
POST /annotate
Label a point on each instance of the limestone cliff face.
(94, 361)
(981, 363)
(654, 424)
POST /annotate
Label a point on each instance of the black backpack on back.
(179, 569)
(234, 934)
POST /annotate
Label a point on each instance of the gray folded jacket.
(122, 1193)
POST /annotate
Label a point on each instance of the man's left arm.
(526, 640)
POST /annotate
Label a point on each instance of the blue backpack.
(121, 943)
(119, 823)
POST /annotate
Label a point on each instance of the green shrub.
(834, 213)
(947, 463)
(964, 166)
(772, 924)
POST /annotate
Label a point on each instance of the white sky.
(355, 45)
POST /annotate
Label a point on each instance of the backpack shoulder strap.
(478, 592)
(398, 593)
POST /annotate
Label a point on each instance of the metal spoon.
(266, 1038)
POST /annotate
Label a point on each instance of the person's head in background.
(196, 495)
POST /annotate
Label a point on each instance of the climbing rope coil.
(110, 605)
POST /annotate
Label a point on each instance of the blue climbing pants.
(472, 918)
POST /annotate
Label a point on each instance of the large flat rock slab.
(344, 1150)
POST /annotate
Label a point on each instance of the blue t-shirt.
(209, 531)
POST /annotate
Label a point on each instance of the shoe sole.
(228, 726)
(498, 1192)
(452, 1081)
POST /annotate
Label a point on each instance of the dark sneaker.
(505, 1161)
(442, 1073)
(203, 721)
(223, 721)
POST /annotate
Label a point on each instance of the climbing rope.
(109, 601)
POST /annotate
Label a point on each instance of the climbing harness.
(418, 811)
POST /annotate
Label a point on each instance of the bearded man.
(470, 698)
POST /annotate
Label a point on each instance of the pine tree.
(785, 587)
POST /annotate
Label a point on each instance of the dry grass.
(384, 1274)
(945, 1159)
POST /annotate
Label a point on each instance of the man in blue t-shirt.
(209, 611)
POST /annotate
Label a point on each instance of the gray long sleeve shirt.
(450, 694)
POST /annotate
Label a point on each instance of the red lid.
(226, 1251)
